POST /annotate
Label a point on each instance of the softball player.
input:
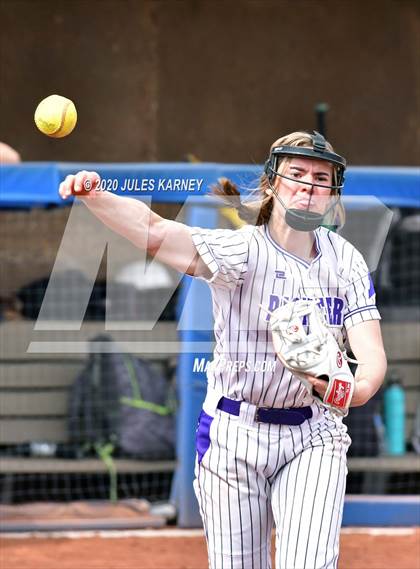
(268, 454)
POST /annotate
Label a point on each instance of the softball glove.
(305, 345)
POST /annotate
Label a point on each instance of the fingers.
(91, 182)
(84, 183)
(80, 181)
(80, 184)
(66, 187)
(317, 383)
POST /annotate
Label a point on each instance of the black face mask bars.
(304, 220)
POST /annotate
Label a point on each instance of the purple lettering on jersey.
(274, 303)
(328, 300)
(280, 275)
(338, 312)
(371, 287)
(332, 307)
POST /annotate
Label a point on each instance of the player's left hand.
(361, 387)
(319, 385)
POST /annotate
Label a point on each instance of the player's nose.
(306, 183)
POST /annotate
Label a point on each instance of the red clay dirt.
(358, 551)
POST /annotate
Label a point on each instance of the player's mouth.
(303, 204)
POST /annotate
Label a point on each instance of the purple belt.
(291, 416)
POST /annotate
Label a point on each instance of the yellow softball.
(56, 116)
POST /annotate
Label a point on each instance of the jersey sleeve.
(360, 293)
(225, 252)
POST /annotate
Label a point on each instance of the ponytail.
(254, 213)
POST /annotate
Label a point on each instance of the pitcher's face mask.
(305, 219)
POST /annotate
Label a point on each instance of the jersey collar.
(294, 257)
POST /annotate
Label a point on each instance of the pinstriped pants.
(252, 476)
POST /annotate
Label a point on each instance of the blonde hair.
(258, 211)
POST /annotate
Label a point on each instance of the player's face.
(297, 191)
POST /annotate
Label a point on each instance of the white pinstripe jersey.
(248, 269)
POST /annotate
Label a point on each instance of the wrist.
(93, 198)
(362, 393)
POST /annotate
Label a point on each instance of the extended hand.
(84, 185)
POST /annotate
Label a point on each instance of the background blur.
(155, 80)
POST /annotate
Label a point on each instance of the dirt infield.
(358, 551)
